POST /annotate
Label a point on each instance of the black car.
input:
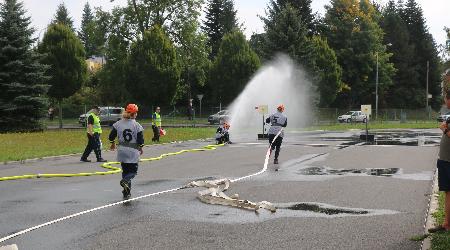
(219, 117)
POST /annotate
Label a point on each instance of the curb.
(433, 205)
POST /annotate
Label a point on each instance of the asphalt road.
(361, 206)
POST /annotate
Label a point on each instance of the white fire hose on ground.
(215, 193)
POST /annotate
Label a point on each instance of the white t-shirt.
(128, 149)
(277, 120)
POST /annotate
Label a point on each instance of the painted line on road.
(266, 162)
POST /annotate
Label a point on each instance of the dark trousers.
(276, 144)
(129, 171)
(93, 144)
(155, 133)
(225, 138)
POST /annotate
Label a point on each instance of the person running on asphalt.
(277, 121)
(443, 165)
(222, 135)
(131, 140)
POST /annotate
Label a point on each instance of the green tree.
(424, 52)
(448, 39)
(257, 43)
(62, 16)
(220, 18)
(66, 57)
(328, 72)
(304, 10)
(354, 34)
(233, 67)
(153, 69)
(194, 66)
(286, 33)
(397, 36)
(87, 31)
(22, 80)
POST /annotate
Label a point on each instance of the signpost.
(263, 110)
(200, 97)
(367, 110)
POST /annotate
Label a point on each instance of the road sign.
(366, 109)
(262, 109)
(200, 97)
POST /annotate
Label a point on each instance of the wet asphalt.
(387, 185)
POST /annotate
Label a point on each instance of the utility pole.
(376, 92)
(426, 94)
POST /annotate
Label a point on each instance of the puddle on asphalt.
(309, 168)
(389, 138)
(387, 172)
(200, 212)
(314, 145)
(325, 210)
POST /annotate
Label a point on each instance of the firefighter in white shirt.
(131, 140)
(277, 121)
(222, 135)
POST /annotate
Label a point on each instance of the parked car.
(219, 117)
(108, 115)
(444, 117)
(353, 116)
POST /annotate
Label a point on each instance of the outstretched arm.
(285, 124)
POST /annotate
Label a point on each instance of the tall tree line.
(414, 53)
(22, 75)
(162, 53)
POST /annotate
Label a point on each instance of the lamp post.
(376, 92)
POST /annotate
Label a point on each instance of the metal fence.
(180, 116)
(171, 115)
(330, 115)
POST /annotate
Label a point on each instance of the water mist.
(281, 81)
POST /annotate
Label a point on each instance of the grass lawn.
(440, 241)
(20, 146)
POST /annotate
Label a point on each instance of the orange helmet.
(132, 108)
(226, 125)
(280, 108)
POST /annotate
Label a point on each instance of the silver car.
(219, 117)
(108, 115)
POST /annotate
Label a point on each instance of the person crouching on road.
(222, 134)
(156, 124)
(94, 130)
(277, 121)
(131, 140)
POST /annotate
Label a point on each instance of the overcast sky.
(436, 13)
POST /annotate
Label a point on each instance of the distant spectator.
(51, 113)
(190, 111)
(156, 124)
